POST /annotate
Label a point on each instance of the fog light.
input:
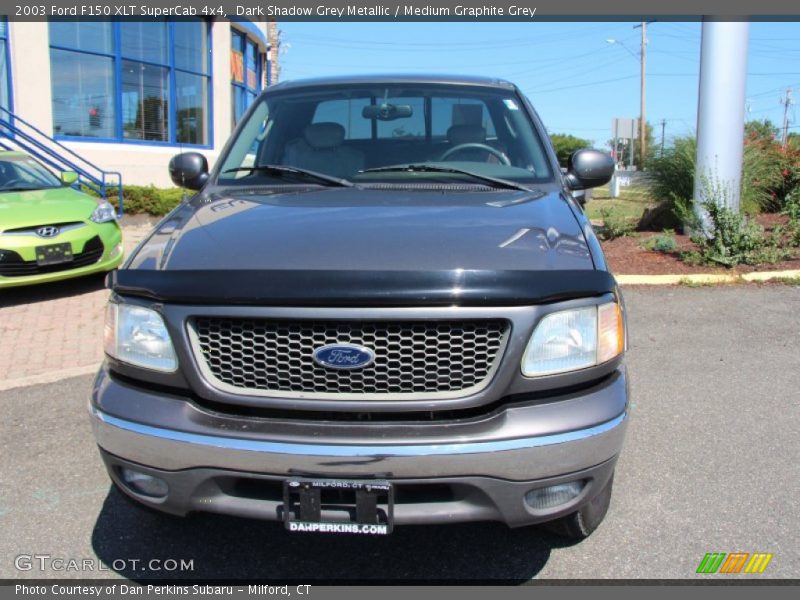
(553, 495)
(144, 484)
(115, 251)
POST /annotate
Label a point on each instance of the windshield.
(348, 131)
(20, 174)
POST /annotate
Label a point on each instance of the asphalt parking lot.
(710, 465)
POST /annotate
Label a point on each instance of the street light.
(620, 43)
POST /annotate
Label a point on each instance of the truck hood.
(367, 229)
(41, 207)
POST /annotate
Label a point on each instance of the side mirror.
(189, 170)
(588, 168)
(69, 177)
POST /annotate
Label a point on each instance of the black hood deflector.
(360, 288)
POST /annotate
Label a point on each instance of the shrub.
(770, 174)
(146, 199)
(615, 224)
(671, 181)
(732, 238)
(663, 242)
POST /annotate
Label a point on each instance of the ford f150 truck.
(382, 306)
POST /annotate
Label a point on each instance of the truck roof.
(394, 79)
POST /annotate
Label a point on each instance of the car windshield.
(19, 174)
(424, 132)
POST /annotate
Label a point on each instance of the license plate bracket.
(54, 254)
(338, 506)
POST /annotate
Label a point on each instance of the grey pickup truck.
(382, 306)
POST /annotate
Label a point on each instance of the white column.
(721, 111)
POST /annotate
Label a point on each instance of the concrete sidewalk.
(52, 331)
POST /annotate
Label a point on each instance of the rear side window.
(459, 111)
(347, 113)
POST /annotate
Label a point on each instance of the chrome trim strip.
(31, 231)
(225, 443)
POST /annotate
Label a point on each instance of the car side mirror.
(189, 170)
(68, 177)
(588, 168)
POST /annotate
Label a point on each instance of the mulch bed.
(626, 255)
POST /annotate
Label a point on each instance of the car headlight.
(574, 339)
(103, 213)
(138, 336)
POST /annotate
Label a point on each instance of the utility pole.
(720, 114)
(663, 126)
(787, 102)
(642, 119)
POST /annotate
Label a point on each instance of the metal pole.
(720, 114)
(663, 126)
(642, 117)
(787, 101)
(633, 140)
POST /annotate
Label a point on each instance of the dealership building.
(127, 95)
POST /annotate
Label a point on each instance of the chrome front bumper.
(487, 464)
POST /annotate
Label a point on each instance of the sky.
(577, 81)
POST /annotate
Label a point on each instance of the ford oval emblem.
(343, 356)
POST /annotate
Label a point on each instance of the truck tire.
(580, 524)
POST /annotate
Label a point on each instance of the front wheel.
(580, 524)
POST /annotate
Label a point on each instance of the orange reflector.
(610, 332)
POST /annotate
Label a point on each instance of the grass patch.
(631, 203)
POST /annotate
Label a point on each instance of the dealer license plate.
(364, 507)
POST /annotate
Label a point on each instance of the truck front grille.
(274, 357)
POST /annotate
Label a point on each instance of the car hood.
(42, 207)
(368, 229)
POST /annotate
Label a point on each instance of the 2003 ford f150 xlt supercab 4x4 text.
(382, 306)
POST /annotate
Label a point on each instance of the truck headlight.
(103, 213)
(138, 336)
(574, 339)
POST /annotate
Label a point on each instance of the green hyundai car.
(48, 230)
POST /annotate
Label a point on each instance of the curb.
(48, 377)
(705, 278)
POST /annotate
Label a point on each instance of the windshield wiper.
(429, 168)
(285, 169)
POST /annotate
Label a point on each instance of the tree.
(566, 144)
(650, 150)
(764, 131)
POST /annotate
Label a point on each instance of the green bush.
(770, 174)
(733, 239)
(671, 181)
(615, 224)
(146, 199)
(664, 242)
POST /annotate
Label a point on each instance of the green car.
(48, 230)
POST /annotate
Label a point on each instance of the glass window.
(406, 127)
(191, 46)
(348, 114)
(84, 84)
(191, 120)
(93, 36)
(459, 111)
(245, 74)
(145, 99)
(83, 94)
(145, 41)
(393, 124)
(251, 66)
(25, 174)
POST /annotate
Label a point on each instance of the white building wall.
(139, 164)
